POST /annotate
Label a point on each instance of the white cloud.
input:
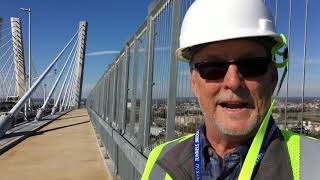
(101, 53)
(111, 52)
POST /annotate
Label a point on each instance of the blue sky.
(111, 23)
(312, 87)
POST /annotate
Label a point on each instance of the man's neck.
(224, 144)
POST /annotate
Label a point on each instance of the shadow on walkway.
(64, 118)
(61, 127)
(14, 134)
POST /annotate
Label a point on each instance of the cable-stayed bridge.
(141, 100)
(51, 93)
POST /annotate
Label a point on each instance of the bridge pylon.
(80, 61)
(18, 55)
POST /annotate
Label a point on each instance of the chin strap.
(252, 155)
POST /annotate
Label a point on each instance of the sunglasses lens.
(249, 68)
(254, 67)
(212, 71)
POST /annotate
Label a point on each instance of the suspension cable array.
(13, 75)
(6, 63)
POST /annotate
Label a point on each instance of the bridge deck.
(65, 149)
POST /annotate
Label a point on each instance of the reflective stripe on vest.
(293, 145)
(155, 154)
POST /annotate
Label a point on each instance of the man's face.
(234, 104)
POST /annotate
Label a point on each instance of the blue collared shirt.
(232, 161)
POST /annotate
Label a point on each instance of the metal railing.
(144, 97)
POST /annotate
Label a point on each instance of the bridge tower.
(80, 60)
(18, 55)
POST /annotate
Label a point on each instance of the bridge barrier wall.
(144, 97)
(128, 162)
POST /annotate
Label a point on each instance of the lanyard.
(197, 151)
(266, 142)
(197, 155)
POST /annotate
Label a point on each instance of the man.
(231, 46)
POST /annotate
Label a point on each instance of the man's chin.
(237, 128)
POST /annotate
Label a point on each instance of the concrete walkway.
(65, 149)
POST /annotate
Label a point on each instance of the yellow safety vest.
(301, 168)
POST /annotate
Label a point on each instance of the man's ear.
(274, 77)
(193, 82)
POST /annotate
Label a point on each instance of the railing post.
(172, 93)
(124, 90)
(18, 55)
(114, 93)
(104, 96)
(99, 99)
(144, 129)
(103, 83)
(96, 101)
(134, 87)
(81, 55)
(99, 96)
(118, 94)
(110, 94)
(107, 116)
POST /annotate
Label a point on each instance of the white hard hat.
(216, 20)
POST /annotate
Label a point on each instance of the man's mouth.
(234, 105)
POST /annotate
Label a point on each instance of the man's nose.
(233, 79)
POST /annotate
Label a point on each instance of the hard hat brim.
(181, 54)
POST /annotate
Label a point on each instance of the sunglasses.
(248, 67)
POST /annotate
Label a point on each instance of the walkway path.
(65, 149)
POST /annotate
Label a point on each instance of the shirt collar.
(242, 150)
